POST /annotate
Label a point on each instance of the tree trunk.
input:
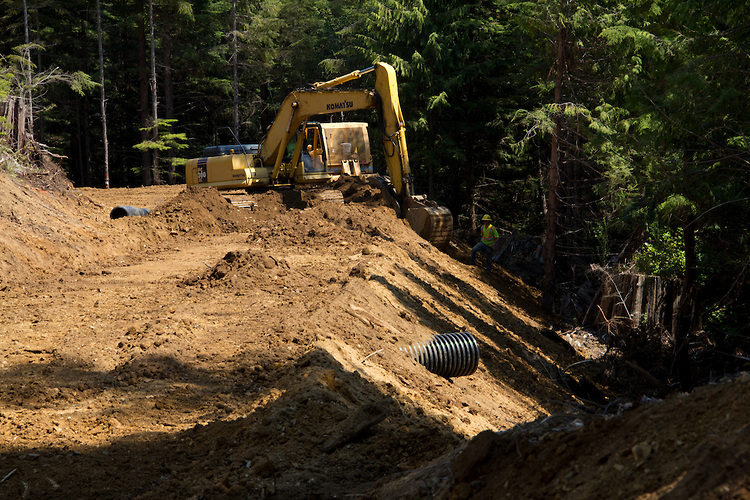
(686, 309)
(430, 180)
(25, 23)
(77, 141)
(154, 98)
(166, 38)
(103, 103)
(549, 282)
(29, 72)
(143, 87)
(86, 146)
(235, 84)
(39, 127)
(473, 222)
(542, 195)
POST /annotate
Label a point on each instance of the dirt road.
(211, 351)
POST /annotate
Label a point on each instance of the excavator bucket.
(433, 223)
(430, 221)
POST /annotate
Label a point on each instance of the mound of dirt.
(692, 446)
(201, 211)
(43, 232)
(213, 351)
(290, 444)
(348, 233)
(358, 190)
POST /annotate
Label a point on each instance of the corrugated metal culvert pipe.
(447, 354)
(127, 211)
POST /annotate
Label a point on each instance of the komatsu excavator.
(323, 151)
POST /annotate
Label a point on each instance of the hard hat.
(486, 217)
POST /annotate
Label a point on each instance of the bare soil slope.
(211, 351)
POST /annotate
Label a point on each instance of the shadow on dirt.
(514, 352)
(307, 429)
(293, 199)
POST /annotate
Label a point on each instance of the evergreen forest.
(617, 132)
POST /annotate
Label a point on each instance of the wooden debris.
(7, 476)
(645, 374)
(353, 426)
(243, 203)
(369, 319)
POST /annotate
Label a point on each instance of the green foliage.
(167, 140)
(601, 235)
(453, 62)
(22, 75)
(662, 254)
(6, 79)
(81, 83)
(6, 82)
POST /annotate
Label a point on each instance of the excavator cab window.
(312, 135)
(313, 152)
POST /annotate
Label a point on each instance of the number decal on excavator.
(202, 174)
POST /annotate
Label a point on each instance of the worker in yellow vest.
(489, 238)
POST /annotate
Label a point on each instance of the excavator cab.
(334, 149)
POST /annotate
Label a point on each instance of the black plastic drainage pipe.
(448, 354)
(127, 211)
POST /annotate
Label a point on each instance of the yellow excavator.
(324, 151)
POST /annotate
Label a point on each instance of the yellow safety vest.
(489, 235)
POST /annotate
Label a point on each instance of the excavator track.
(239, 198)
